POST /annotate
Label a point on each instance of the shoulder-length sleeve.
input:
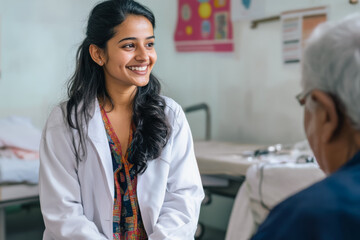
(184, 192)
(60, 193)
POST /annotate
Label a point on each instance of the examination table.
(257, 177)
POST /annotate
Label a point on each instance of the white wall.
(250, 92)
(37, 53)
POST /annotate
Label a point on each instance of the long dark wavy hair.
(88, 82)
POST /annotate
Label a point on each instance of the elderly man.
(329, 209)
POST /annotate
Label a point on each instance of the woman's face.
(130, 55)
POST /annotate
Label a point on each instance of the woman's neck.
(122, 99)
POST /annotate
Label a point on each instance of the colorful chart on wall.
(296, 28)
(204, 25)
(247, 9)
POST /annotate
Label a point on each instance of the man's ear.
(327, 115)
(96, 54)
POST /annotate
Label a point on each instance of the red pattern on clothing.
(127, 222)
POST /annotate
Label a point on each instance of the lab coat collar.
(97, 134)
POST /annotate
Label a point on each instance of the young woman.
(117, 159)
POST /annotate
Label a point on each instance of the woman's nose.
(141, 54)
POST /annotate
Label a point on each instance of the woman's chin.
(142, 83)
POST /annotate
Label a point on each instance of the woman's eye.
(150, 45)
(130, 45)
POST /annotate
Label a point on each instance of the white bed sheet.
(19, 170)
(20, 133)
(19, 150)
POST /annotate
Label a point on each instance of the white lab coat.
(77, 198)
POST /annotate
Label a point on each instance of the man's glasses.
(301, 97)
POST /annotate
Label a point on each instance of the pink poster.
(204, 25)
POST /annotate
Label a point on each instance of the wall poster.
(296, 28)
(204, 25)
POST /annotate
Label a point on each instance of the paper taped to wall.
(296, 28)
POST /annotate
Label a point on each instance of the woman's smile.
(139, 69)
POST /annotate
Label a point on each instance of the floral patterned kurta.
(127, 222)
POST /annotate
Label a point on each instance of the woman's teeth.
(138, 68)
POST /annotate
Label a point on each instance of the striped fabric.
(127, 222)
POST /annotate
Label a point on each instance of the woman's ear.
(96, 54)
(327, 115)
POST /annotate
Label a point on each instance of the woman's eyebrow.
(133, 38)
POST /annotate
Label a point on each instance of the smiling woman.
(130, 55)
(117, 158)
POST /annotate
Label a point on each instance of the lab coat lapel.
(97, 135)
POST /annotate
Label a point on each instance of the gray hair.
(331, 63)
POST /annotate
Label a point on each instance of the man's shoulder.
(315, 196)
(294, 213)
(322, 197)
(315, 210)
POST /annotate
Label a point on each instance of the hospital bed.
(13, 195)
(257, 177)
(222, 166)
(18, 186)
(19, 165)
